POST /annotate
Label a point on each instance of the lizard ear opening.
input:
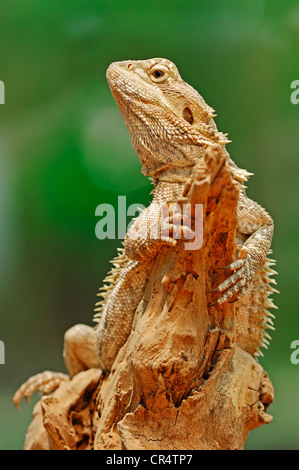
(187, 115)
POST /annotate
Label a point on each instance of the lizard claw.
(169, 241)
(236, 265)
(237, 283)
(45, 382)
(176, 227)
(213, 291)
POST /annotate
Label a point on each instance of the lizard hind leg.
(79, 354)
(80, 349)
(45, 382)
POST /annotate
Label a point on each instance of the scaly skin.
(170, 126)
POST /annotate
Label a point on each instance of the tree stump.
(180, 381)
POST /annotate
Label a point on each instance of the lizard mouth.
(126, 87)
(112, 73)
(119, 79)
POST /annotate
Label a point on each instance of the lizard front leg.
(164, 223)
(257, 225)
(144, 238)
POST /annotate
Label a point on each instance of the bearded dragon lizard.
(170, 126)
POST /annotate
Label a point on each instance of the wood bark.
(180, 381)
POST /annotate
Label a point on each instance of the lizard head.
(169, 123)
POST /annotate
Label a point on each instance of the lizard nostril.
(130, 66)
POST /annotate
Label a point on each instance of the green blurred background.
(64, 149)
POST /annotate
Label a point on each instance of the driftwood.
(180, 381)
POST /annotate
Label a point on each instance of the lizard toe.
(45, 382)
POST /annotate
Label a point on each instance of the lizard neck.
(170, 185)
(173, 175)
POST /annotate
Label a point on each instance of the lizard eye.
(159, 74)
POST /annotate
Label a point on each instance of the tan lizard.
(170, 126)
